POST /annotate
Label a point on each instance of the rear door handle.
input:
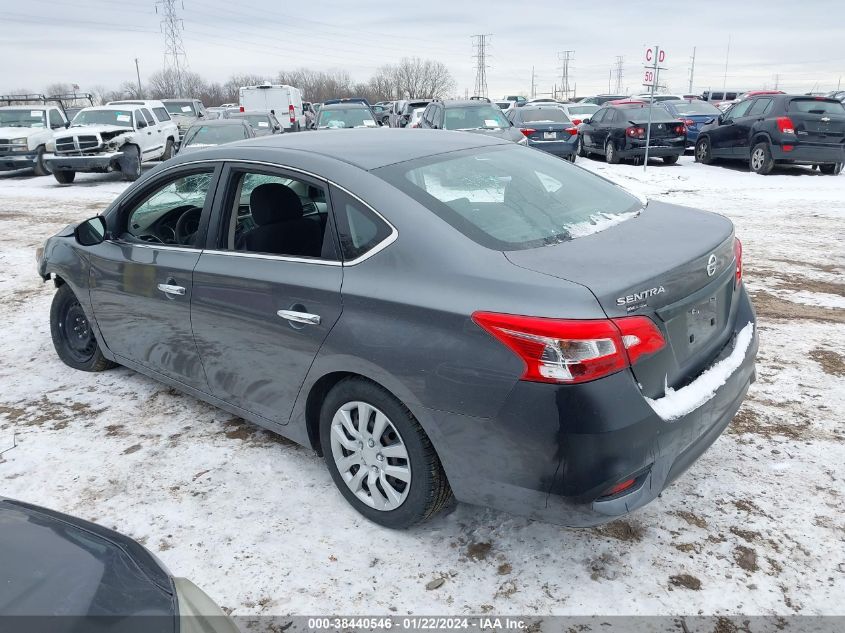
(169, 289)
(299, 317)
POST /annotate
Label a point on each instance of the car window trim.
(220, 163)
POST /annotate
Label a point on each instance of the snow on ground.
(756, 526)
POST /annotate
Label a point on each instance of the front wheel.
(130, 163)
(610, 154)
(379, 457)
(40, 168)
(702, 151)
(761, 159)
(831, 170)
(64, 176)
(72, 335)
(582, 149)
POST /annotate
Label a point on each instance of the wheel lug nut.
(380, 457)
(374, 469)
(370, 443)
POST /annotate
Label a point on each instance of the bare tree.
(164, 84)
(230, 88)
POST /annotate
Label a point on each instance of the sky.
(797, 47)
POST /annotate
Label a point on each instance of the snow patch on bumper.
(678, 403)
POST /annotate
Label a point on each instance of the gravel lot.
(757, 526)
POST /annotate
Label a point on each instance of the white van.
(284, 101)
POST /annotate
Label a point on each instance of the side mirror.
(709, 121)
(200, 115)
(721, 119)
(587, 120)
(91, 232)
(67, 125)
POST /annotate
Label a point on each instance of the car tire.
(670, 160)
(703, 153)
(571, 157)
(610, 153)
(40, 168)
(64, 176)
(354, 457)
(130, 163)
(168, 150)
(72, 334)
(582, 149)
(831, 170)
(761, 161)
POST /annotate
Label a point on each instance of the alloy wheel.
(702, 151)
(370, 455)
(757, 159)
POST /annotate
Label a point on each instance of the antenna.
(175, 59)
(480, 56)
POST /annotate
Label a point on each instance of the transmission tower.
(175, 59)
(620, 63)
(564, 57)
(481, 44)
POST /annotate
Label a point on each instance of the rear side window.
(760, 107)
(161, 114)
(359, 228)
(816, 106)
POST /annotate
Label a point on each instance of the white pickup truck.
(25, 132)
(113, 137)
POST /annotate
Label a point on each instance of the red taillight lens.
(689, 122)
(242, 108)
(527, 131)
(576, 121)
(785, 125)
(738, 256)
(292, 113)
(570, 351)
(787, 148)
(621, 486)
(680, 129)
(635, 132)
(572, 131)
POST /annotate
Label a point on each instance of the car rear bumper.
(558, 148)
(10, 162)
(552, 452)
(810, 154)
(637, 148)
(104, 162)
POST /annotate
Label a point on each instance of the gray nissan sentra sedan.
(436, 313)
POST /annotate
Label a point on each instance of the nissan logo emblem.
(711, 265)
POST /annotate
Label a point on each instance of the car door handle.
(169, 289)
(299, 317)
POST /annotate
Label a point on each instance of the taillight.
(572, 131)
(527, 131)
(621, 486)
(680, 129)
(635, 132)
(738, 256)
(572, 351)
(576, 121)
(242, 108)
(292, 113)
(785, 125)
(689, 122)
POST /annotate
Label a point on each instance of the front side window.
(359, 228)
(474, 118)
(509, 202)
(171, 213)
(738, 110)
(273, 214)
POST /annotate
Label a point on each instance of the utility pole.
(691, 70)
(175, 59)
(533, 84)
(620, 61)
(481, 44)
(727, 56)
(138, 74)
(777, 80)
(564, 57)
(609, 77)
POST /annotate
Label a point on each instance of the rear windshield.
(510, 198)
(583, 109)
(214, 134)
(544, 115)
(258, 121)
(346, 117)
(816, 106)
(474, 117)
(640, 115)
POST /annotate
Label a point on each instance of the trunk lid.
(672, 264)
(545, 131)
(818, 120)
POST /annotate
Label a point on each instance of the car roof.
(344, 106)
(462, 103)
(364, 148)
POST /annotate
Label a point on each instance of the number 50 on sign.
(648, 77)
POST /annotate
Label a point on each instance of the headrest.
(274, 202)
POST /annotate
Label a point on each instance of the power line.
(481, 64)
(175, 59)
(620, 63)
(564, 57)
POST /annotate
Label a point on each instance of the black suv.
(770, 129)
(471, 115)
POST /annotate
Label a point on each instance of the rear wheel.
(64, 176)
(379, 456)
(41, 168)
(168, 151)
(610, 154)
(702, 151)
(761, 159)
(72, 335)
(831, 170)
(670, 160)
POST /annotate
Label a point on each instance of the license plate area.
(550, 136)
(702, 322)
